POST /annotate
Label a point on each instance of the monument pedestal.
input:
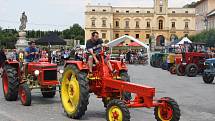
(21, 44)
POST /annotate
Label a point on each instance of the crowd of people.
(134, 56)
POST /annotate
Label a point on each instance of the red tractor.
(114, 90)
(20, 79)
(192, 63)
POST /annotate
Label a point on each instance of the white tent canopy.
(184, 40)
(123, 38)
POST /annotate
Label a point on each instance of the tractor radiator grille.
(50, 75)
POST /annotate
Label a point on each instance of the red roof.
(134, 44)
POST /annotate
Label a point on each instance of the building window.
(160, 24)
(103, 23)
(117, 23)
(186, 35)
(93, 23)
(148, 11)
(137, 36)
(173, 11)
(186, 24)
(161, 9)
(127, 24)
(103, 35)
(117, 11)
(137, 24)
(93, 10)
(148, 24)
(147, 36)
(127, 11)
(173, 24)
(116, 36)
(137, 11)
(127, 34)
(186, 11)
(104, 10)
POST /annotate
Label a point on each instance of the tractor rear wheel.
(168, 112)
(74, 92)
(117, 111)
(48, 92)
(10, 83)
(208, 79)
(192, 70)
(25, 94)
(180, 70)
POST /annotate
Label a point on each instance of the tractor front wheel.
(10, 83)
(25, 94)
(48, 92)
(180, 70)
(117, 111)
(208, 79)
(168, 112)
(74, 92)
(192, 70)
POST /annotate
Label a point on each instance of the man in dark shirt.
(94, 46)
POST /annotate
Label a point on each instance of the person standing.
(3, 58)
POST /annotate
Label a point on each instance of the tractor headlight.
(212, 64)
(36, 72)
(61, 71)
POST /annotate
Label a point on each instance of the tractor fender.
(81, 65)
(118, 65)
(13, 63)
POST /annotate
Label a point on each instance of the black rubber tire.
(180, 72)
(13, 83)
(208, 79)
(176, 110)
(84, 92)
(48, 92)
(121, 105)
(188, 70)
(27, 92)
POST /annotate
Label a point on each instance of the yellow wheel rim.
(115, 114)
(165, 114)
(70, 92)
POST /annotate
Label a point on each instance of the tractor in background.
(20, 78)
(157, 59)
(209, 72)
(192, 62)
(114, 89)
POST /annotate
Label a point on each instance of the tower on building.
(161, 6)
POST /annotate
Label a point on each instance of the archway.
(160, 41)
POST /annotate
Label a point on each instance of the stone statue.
(23, 21)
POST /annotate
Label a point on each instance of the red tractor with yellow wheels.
(114, 89)
(19, 79)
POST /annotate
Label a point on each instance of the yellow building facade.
(160, 22)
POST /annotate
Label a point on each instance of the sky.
(59, 14)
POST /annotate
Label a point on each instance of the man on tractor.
(94, 46)
(31, 52)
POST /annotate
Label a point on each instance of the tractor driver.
(94, 46)
(31, 52)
